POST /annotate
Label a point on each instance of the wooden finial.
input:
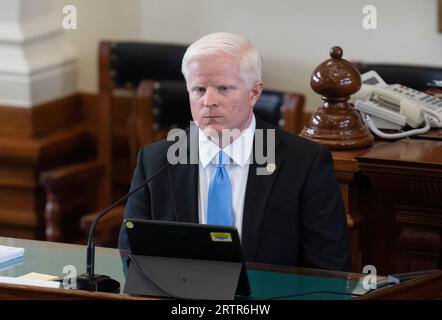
(336, 123)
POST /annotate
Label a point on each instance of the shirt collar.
(239, 150)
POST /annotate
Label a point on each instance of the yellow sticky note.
(38, 276)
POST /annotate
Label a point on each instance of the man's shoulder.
(159, 151)
(152, 157)
(157, 147)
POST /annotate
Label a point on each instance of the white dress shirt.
(239, 151)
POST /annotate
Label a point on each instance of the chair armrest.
(115, 216)
(106, 232)
(71, 173)
(70, 191)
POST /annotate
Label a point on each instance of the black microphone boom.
(96, 282)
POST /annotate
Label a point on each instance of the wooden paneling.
(392, 193)
(18, 217)
(47, 118)
(89, 103)
(17, 175)
(44, 149)
(407, 177)
(48, 136)
(15, 122)
(41, 119)
(20, 232)
(32, 140)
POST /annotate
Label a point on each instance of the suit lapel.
(257, 194)
(183, 181)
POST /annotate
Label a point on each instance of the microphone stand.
(96, 282)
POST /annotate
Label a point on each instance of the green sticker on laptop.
(221, 236)
(129, 225)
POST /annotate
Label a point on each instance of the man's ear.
(255, 92)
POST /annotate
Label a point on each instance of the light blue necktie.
(219, 207)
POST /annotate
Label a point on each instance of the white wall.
(36, 65)
(294, 36)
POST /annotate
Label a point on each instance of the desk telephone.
(395, 107)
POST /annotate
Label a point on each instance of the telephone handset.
(385, 106)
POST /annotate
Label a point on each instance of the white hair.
(218, 43)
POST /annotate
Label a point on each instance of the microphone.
(95, 282)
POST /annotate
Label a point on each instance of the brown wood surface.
(32, 140)
(293, 111)
(41, 119)
(34, 151)
(428, 287)
(392, 194)
(422, 288)
(430, 135)
(413, 153)
(406, 176)
(336, 123)
(18, 292)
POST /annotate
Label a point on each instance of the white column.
(36, 65)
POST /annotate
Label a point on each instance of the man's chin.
(212, 127)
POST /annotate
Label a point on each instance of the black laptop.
(185, 260)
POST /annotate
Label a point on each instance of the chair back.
(132, 62)
(269, 107)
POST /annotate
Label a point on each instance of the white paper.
(30, 282)
(38, 276)
(10, 253)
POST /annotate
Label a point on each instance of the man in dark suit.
(289, 213)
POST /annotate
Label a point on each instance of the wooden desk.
(267, 281)
(428, 287)
(407, 177)
(393, 197)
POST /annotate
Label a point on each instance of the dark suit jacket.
(294, 216)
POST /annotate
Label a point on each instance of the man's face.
(219, 98)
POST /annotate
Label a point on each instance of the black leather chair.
(132, 62)
(416, 77)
